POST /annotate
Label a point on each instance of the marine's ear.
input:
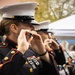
(14, 28)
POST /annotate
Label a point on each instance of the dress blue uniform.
(12, 62)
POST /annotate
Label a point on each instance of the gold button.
(31, 70)
(64, 65)
(16, 46)
(26, 62)
(12, 52)
(1, 65)
(39, 29)
(6, 58)
(12, 16)
(4, 43)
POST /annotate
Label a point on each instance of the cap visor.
(33, 22)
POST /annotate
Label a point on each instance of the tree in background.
(54, 9)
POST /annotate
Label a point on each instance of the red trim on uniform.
(9, 60)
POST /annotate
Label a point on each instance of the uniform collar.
(11, 43)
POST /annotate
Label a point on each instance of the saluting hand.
(23, 42)
(47, 43)
(37, 44)
(54, 45)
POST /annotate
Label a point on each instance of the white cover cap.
(43, 25)
(21, 9)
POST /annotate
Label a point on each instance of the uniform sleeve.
(59, 57)
(11, 63)
(49, 68)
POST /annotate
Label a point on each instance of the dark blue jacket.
(12, 62)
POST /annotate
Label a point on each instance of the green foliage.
(53, 9)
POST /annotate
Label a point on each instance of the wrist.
(43, 53)
(21, 50)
